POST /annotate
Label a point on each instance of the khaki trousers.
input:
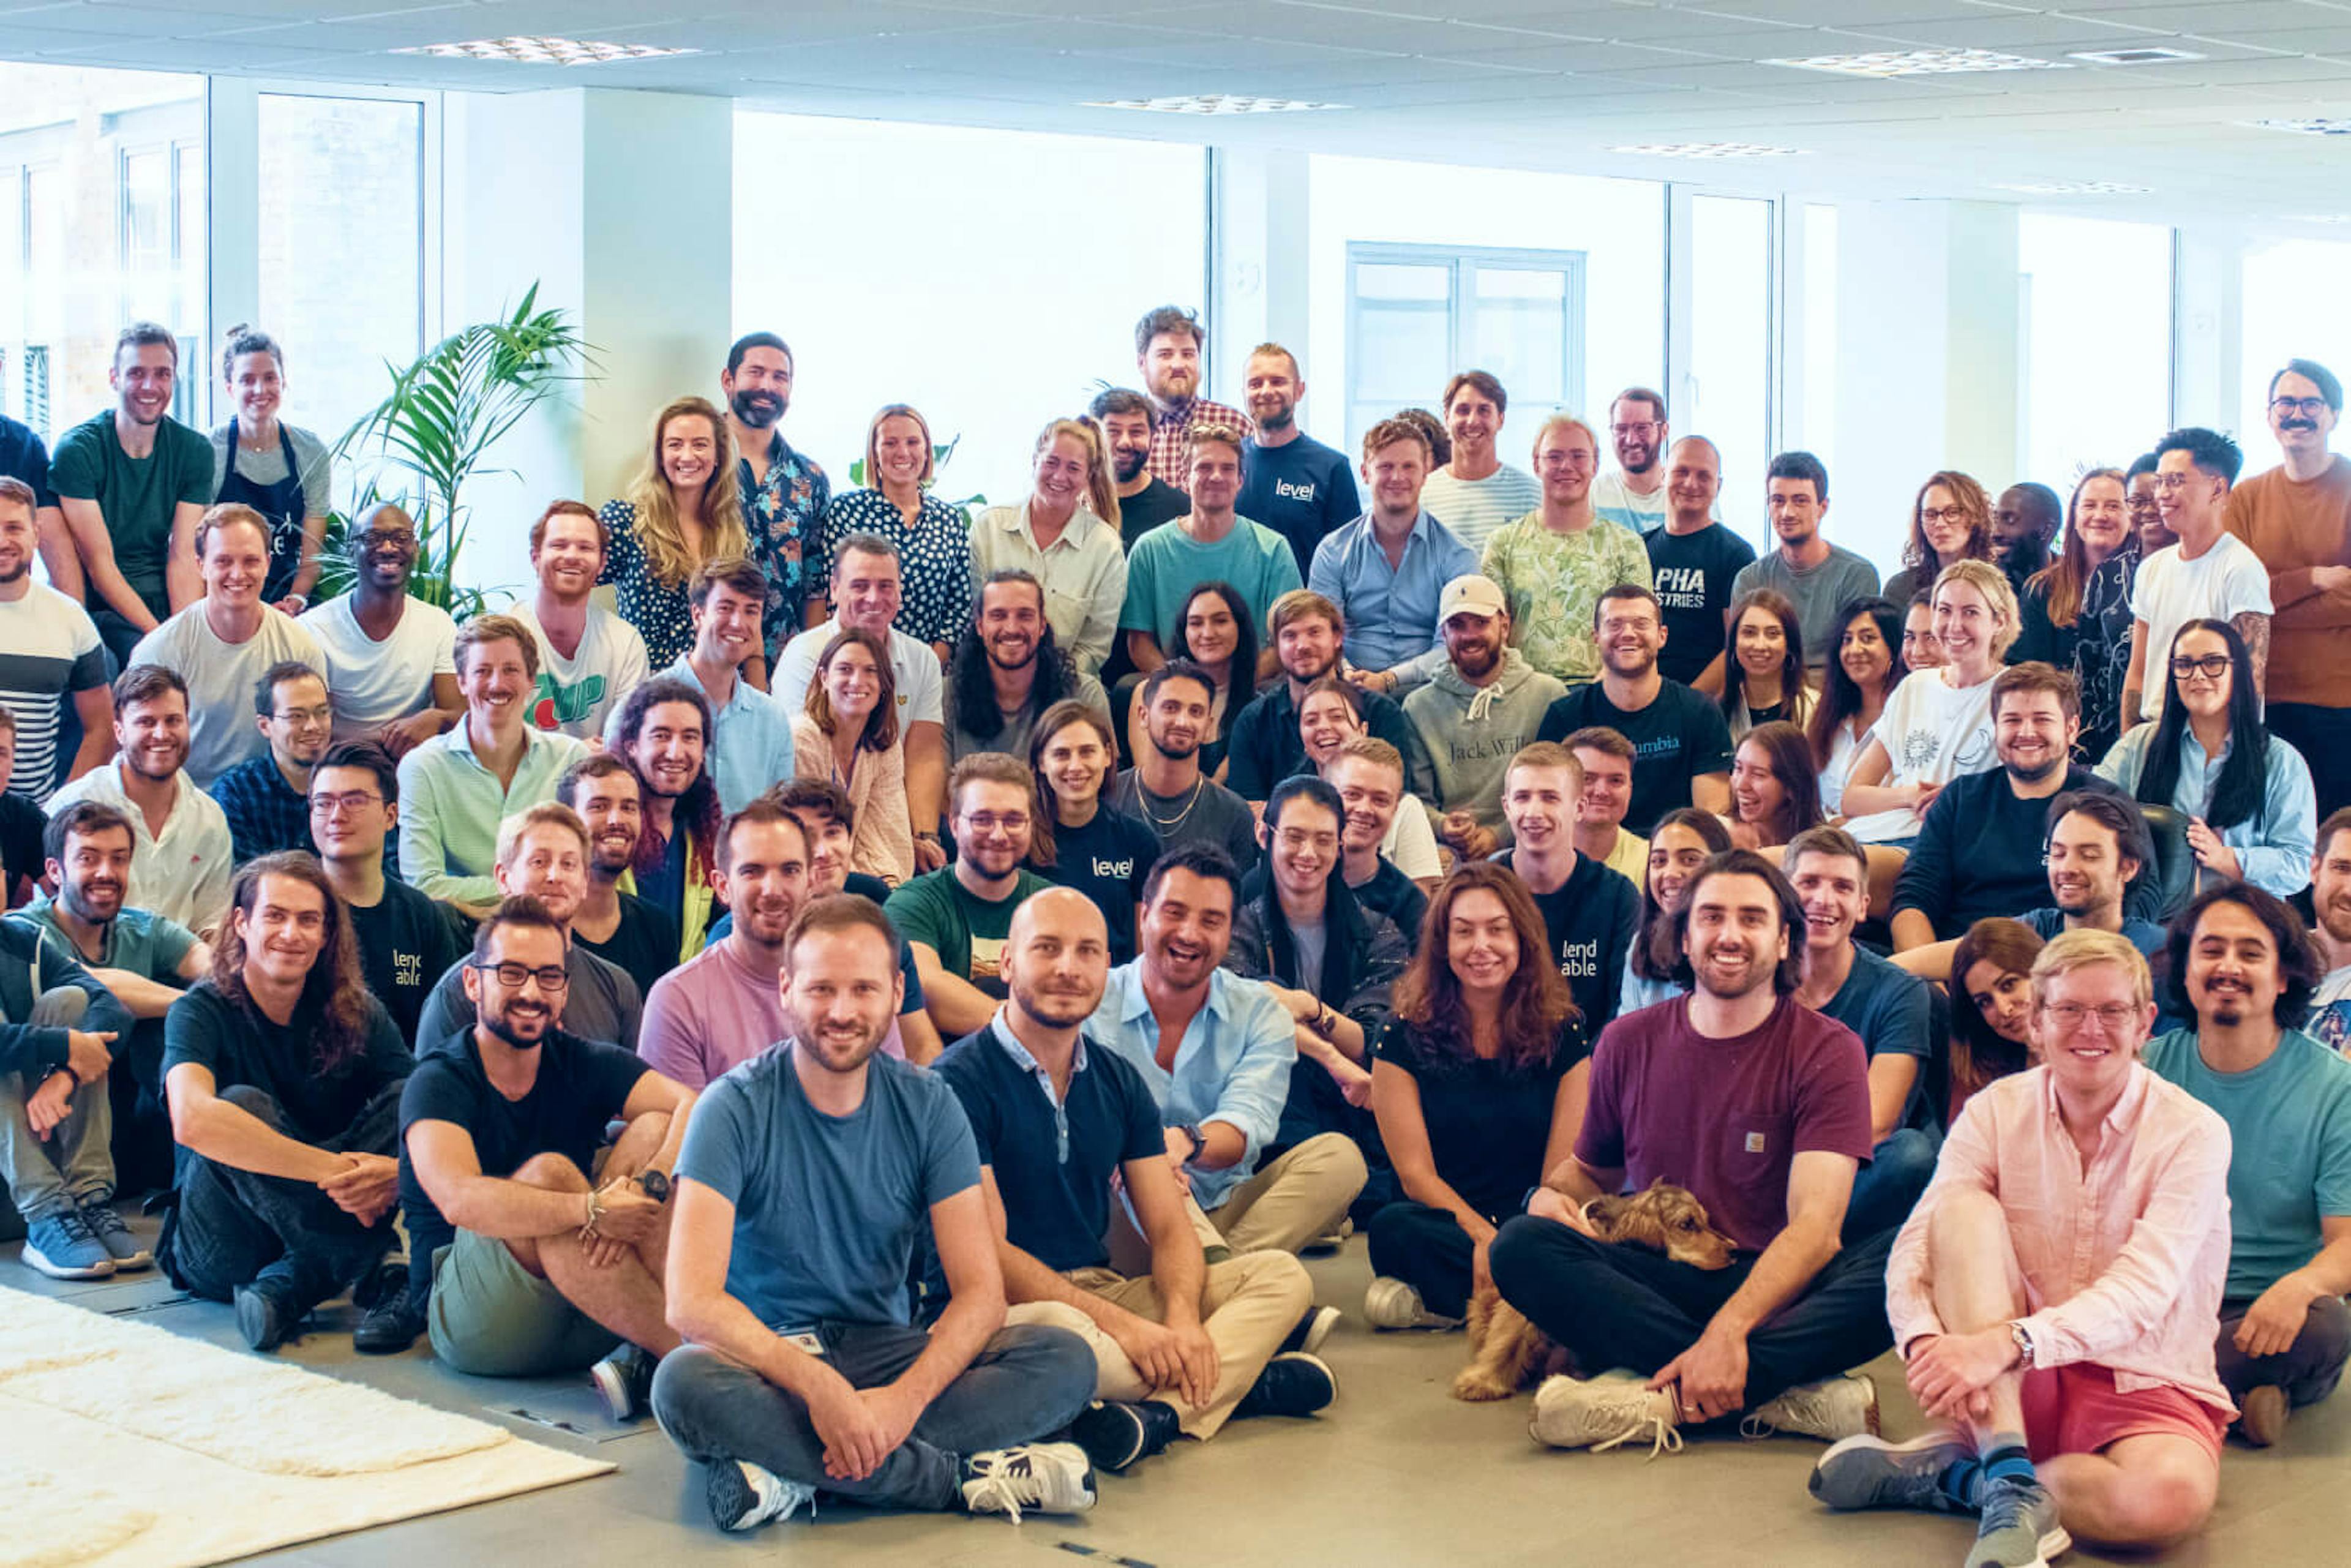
(1301, 1196)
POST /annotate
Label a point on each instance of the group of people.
(896, 999)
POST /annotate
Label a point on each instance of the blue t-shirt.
(1108, 860)
(2289, 1148)
(828, 1209)
(1301, 489)
(1892, 1013)
(1053, 1164)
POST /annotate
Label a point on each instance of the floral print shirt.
(785, 515)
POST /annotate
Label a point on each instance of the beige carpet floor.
(128, 1446)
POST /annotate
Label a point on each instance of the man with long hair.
(283, 1074)
(662, 731)
(1758, 1106)
(1008, 668)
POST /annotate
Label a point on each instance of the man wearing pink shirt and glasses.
(2056, 1294)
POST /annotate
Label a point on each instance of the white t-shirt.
(1410, 842)
(2227, 580)
(372, 682)
(1845, 750)
(1618, 502)
(221, 677)
(576, 695)
(184, 874)
(912, 665)
(1474, 508)
(1933, 733)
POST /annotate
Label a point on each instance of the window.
(991, 280)
(2294, 308)
(1726, 395)
(1812, 423)
(1418, 313)
(2095, 309)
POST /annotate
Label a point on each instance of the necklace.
(1165, 826)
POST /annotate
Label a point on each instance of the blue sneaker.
(63, 1247)
(1866, 1472)
(742, 1496)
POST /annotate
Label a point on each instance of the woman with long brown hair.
(1950, 520)
(1774, 793)
(1684, 839)
(1992, 1000)
(2051, 625)
(1478, 1082)
(1763, 678)
(850, 735)
(682, 509)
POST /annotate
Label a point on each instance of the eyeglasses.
(1644, 428)
(298, 716)
(989, 822)
(2171, 481)
(2308, 407)
(376, 537)
(552, 978)
(2113, 1017)
(1932, 514)
(2212, 666)
(347, 805)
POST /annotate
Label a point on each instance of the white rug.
(128, 1447)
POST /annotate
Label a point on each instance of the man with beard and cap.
(750, 739)
(1217, 1051)
(1008, 668)
(1291, 482)
(1169, 346)
(222, 643)
(1183, 1347)
(1980, 850)
(811, 1174)
(1386, 570)
(2330, 903)
(1485, 704)
(534, 1248)
(589, 658)
(267, 799)
(1693, 559)
(1180, 804)
(55, 657)
(390, 658)
(956, 918)
(1310, 641)
(179, 868)
(613, 922)
(1633, 494)
(543, 856)
(2243, 961)
(2297, 519)
(407, 941)
(1145, 499)
(662, 731)
(2024, 520)
(1681, 743)
(723, 1006)
(784, 492)
(1759, 1107)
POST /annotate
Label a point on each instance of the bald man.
(1188, 1346)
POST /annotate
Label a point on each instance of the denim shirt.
(2276, 842)
(1233, 1065)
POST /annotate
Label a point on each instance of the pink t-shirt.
(1725, 1118)
(712, 1013)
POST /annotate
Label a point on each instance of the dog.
(1507, 1353)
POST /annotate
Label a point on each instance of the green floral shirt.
(1553, 583)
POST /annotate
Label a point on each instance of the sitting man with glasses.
(533, 1249)
(267, 799)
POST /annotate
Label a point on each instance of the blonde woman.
(683, 509)
(1065, 535)
(850, 736)
(934, 539)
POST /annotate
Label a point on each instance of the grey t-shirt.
(268, 465)
(1213, 815)
(1819, 593)
(1311, 942)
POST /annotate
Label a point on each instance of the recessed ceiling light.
(1921, 63)
(1705, 149)
(2143, 54)
(2314, 127)
(1211, 103)
(2076, 188)
(544, 51)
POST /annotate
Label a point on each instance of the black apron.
(282, 505)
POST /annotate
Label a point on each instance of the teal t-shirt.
(136, 495)
(2290, 1161)
(1166, 564)
(967, 932)
(146, 944)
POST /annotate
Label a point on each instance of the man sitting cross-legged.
(808, 1177)
(2057, 1292)
(1192, 1344)
(283, 1075)
(528, 1255)
(1759, 1107)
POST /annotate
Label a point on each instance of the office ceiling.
(1550, 84)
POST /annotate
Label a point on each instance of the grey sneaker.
(127, 1251)
(2018, 1528)
(742, 1496)
(1833, 1409)
(64, 1248)
(1392, 1303)
(1605, 1412)
(1870, 1472)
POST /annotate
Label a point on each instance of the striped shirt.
(48, 650)
(1474, 508)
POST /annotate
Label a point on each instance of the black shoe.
(624, 1380)
(1311, 1331)
(266, 1318)
(381, 1279)
(1294, 1383)
(390, 1326)
(1115, 1434)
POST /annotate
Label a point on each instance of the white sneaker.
(1600, 1413)
(1050, 1477)
(742, 1496)
(1393, 1304)
(1833, 1409)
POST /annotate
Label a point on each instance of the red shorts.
(2077, 1409)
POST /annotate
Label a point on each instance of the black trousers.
(1623, 1306)
(1428, 1249)
(2323, 736)
(2307, 1370)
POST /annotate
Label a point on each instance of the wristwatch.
(2017, 1332)
(1199, 1140)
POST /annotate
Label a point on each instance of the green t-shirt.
(1166, 564)
(2289, 1155)
(965, 931)
(136, 495)
(1554, 581)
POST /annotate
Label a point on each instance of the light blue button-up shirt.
(1391, 610)
(1232, 1065)
(751, 745)
(2276, 842)
(451, 806)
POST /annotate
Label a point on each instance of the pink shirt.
(2124, 1259)
(713, 1013)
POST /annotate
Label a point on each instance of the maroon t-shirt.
(1725, 1118)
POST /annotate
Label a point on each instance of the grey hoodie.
(1468, 735)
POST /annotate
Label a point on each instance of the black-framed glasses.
(2308, 407)
(552, 978)
(2212, 666)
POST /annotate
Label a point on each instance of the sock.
(2003, 1459)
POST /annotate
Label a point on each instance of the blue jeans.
(233, 1227)
(1888, 1187)
(1026, 1382)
